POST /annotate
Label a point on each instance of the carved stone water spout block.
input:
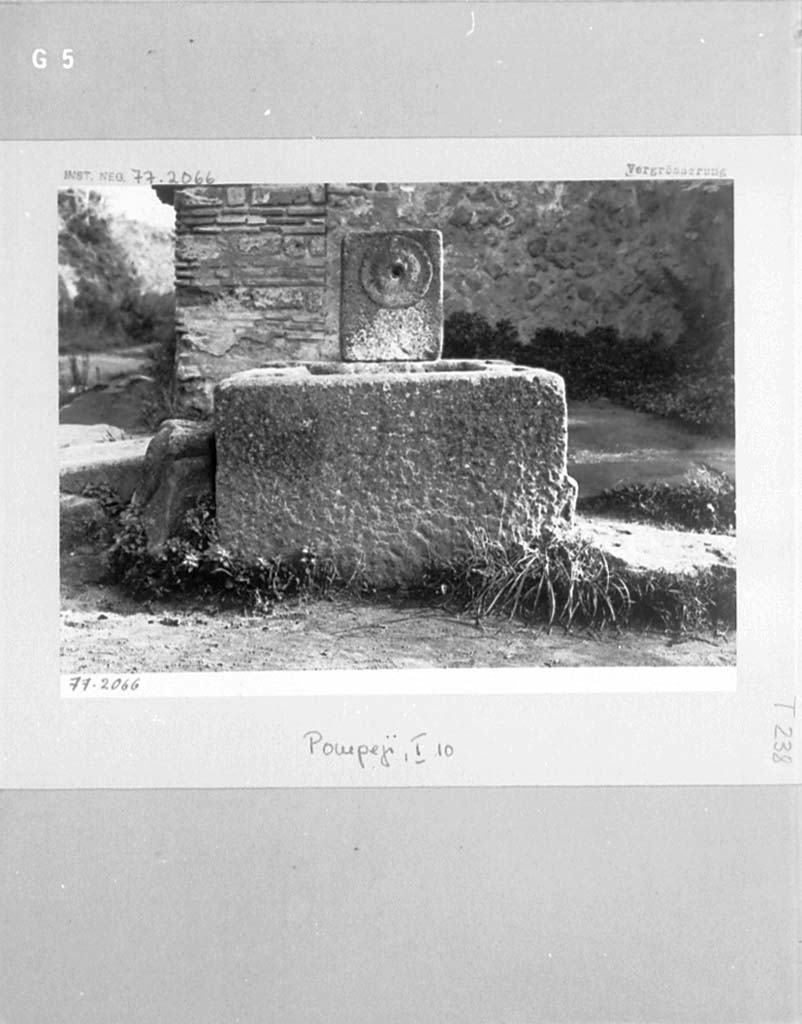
(392, 296)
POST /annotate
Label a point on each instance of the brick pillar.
(250, 284)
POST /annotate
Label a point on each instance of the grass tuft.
(562, 579)
(559, 578)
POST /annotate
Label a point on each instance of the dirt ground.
(104, 630)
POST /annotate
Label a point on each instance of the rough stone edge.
(119, 471)
(318, 374)
(165, 489)
(601, 539)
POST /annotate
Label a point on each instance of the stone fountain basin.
(386, 467)
(373, 369)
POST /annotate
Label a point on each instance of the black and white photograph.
(382, 425)
(401, 512)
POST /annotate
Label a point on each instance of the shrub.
(505, 342)
(691, 382)
(149, 317)
(194, 563)
(704, 401)
(648, 375)
(471, 336)
(704, 502)
(678, 602)
(109, 308)
(600, 362)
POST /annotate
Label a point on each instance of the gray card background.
(366, 69)
(503, 906)
(477, 906)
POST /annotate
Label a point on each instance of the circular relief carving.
(396, 272)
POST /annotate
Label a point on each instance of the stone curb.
(118, 465)
(640, 547)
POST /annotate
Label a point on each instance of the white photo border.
(547, 726)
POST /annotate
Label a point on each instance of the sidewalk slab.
(645, 548)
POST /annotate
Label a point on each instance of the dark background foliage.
(691, 381)
(112, 307)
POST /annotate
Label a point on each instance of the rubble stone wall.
(567, 255)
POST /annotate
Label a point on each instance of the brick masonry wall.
(258, 266)
(250, 283)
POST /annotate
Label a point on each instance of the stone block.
(302, 227)
(295, 247)
(268, 243)
(178, 470)
(189, 248)
(116, 465)
(199, 197)
(644, 548)
(279, 195)
(461, 216)
(304, 212)
(391, 296)
(70, 434)
(387, 467)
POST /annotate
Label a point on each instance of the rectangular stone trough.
(388, 466)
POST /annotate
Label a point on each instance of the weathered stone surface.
(212, 195)
(644, 548)
(392, 296)
(281, 195)
(70, 434)
(191, 248)
(178, 470)
(387, 470)
(116, 465)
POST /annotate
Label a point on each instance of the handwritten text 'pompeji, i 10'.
(388, 753)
